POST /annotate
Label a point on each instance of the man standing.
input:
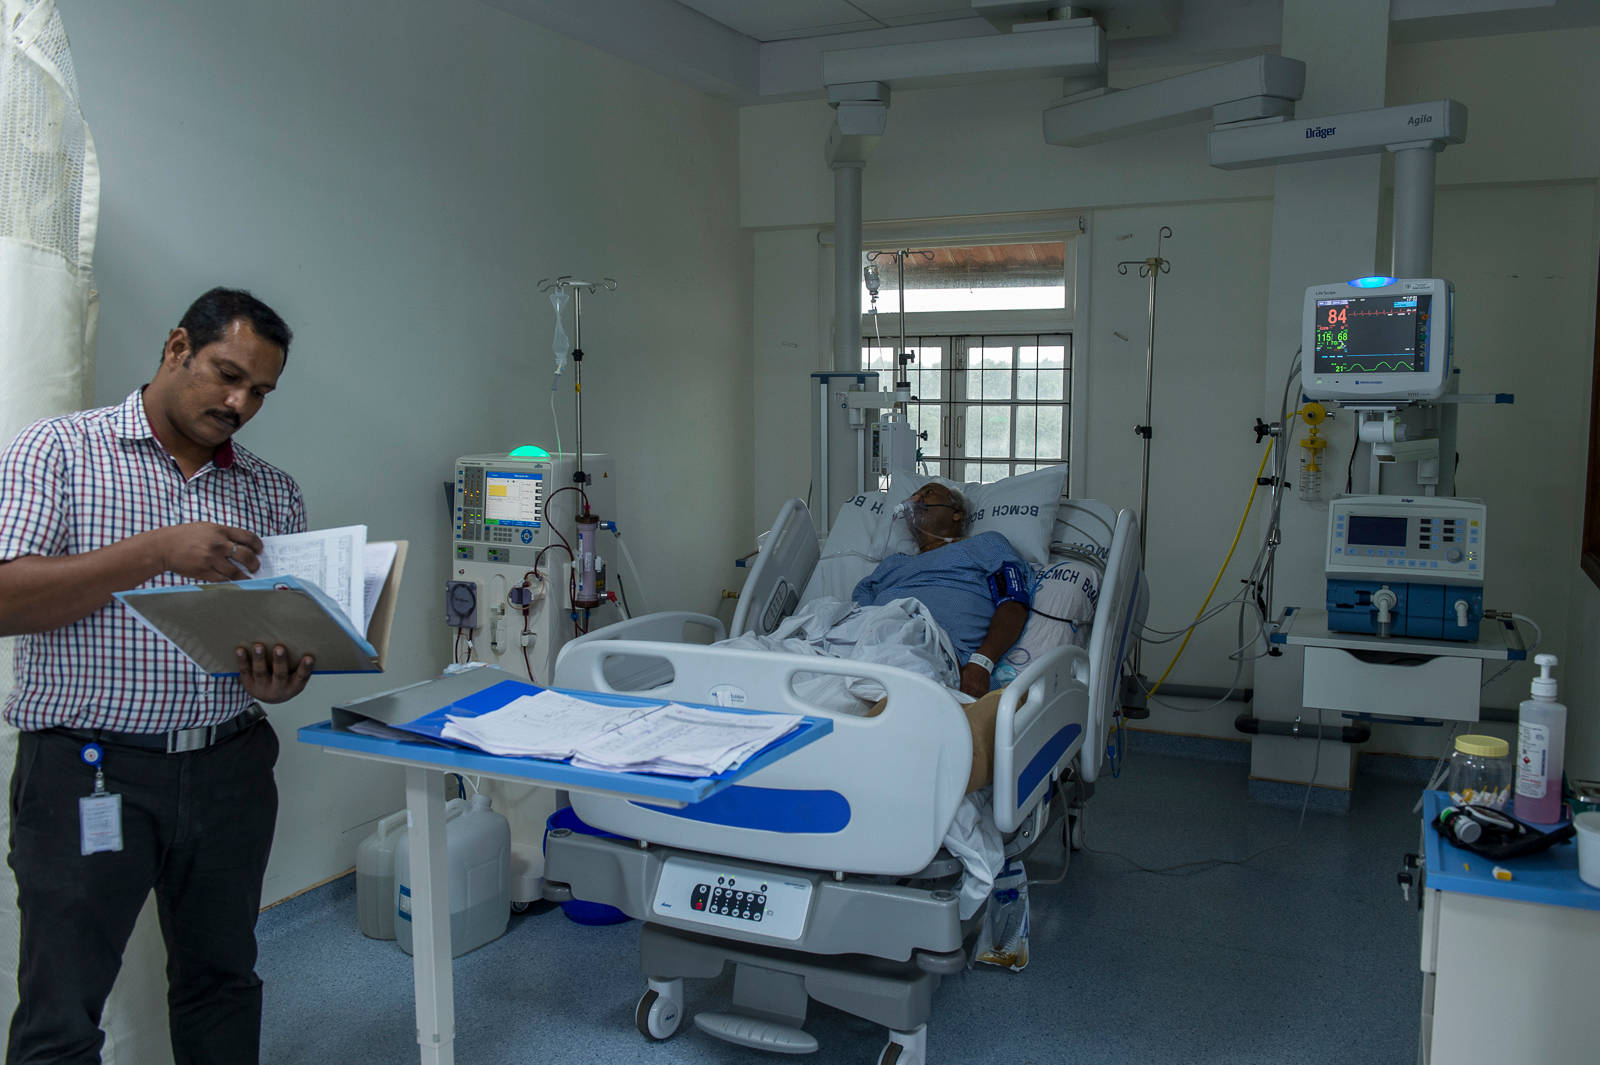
(134, 769)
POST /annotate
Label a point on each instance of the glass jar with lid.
(1480, 771)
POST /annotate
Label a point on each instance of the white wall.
(1515, 230)
(395, 184)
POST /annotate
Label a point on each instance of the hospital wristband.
(976, 659)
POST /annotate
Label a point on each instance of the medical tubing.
(1538, 638)
(1243, 518)
(638, 580)
(1166, 636)
(555, 420)
(1227, 696)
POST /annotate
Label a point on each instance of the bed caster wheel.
(1075, 832)
(519, 907)
(658, 1015)
(905, 1048)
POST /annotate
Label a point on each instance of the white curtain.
(49, 207)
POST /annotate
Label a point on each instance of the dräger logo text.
(1320, 132)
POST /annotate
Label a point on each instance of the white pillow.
(862, 535)
(1021, 508)
(1064, 600)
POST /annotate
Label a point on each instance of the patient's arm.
(1004, 628)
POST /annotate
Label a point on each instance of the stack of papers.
(340, 561)
(667, 738)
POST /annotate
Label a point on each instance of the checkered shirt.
(81, 482)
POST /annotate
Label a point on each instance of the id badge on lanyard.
(99, 813)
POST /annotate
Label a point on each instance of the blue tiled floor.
(1306, 954)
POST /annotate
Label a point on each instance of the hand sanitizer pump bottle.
(1541, 738)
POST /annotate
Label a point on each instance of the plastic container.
(1588, 826)
(375, 877)
(1480, 772)
(1541, 742)
(478, 844)
(581, 910)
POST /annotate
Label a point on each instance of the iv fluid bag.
(560, 345)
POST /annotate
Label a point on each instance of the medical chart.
(666, 738)
(332, 559)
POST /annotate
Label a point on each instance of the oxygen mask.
(916, 513)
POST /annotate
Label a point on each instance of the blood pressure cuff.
(1504, 836)
(1009, 584)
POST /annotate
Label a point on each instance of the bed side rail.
(1041, 723)
(780, 573)
(1113, 638)
(667, 626)
(898, 776)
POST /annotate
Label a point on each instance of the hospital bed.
(823, 877)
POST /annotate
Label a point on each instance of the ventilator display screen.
(1372, 530)
(1372, 334)
(513, 498)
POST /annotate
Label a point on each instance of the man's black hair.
(209, 317)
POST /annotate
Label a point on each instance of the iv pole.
(1151, 268)
(586, 594)
(898, 437)
(578, 288)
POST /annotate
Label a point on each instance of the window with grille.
(988, 328)
(990, 406)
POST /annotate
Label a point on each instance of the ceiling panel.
(779, 20)
(911, 12)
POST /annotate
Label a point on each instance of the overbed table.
(426, 766)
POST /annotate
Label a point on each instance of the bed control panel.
(728, 896)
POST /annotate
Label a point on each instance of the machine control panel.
(1431, 539)
(501, 502)
(773, 903)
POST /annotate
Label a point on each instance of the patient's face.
(933, 510)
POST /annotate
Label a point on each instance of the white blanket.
(899, 633)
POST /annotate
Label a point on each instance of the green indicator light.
(529, 451)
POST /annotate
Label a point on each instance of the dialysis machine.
(1397, 565)
(513, 598)
(515, 594)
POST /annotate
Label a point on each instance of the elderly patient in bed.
(976, 588)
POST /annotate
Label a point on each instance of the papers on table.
(668, 738)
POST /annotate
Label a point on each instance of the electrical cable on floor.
(1201, 865)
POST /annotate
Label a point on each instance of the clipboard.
(207, 621)
(403, 706)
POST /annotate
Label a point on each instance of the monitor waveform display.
(1372, 334)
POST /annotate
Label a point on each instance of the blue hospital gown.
(951, 581)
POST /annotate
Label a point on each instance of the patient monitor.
(1377, 340)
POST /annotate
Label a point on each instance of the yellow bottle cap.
(1483, 746)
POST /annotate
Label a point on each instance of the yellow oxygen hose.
(1243, 518)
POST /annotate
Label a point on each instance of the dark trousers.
(197, 828)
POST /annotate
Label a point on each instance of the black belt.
(175, 742)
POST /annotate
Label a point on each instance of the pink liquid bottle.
(1541, 737)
